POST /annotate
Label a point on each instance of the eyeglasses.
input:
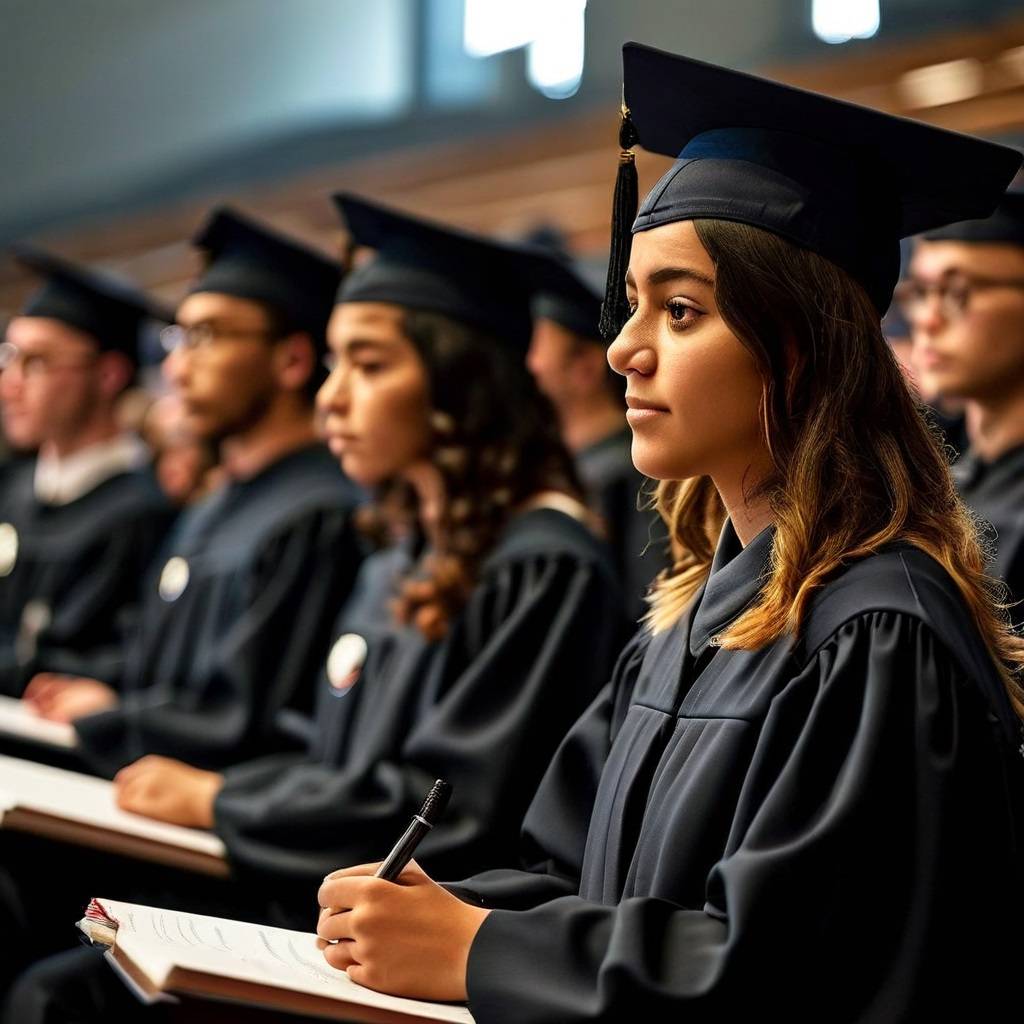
(38, 364)
(202, 335)
(954, 294)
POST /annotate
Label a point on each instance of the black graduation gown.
(995, 491)
(637, 537)
(71, 575)
(485, 709)
(818, 832)
(236, 622)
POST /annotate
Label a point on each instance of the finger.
(339, 955)
(335, 927)
(343, 893)
(413, 874)
(356, 869)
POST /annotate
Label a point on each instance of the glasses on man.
(203, 335)
(39, 364)
(953, 293)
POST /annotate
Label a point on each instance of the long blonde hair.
(856, 465)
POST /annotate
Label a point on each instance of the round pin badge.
(8, 548)
(174, 578)
(345, 662)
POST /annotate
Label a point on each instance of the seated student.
(800, 797)
(80, 523)
(238, 617)
(471, 643)
(567, 359)
(468, 647)
(964, 300)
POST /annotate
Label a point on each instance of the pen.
(432, 809)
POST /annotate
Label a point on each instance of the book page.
(27, 786)
(18, 719)
(158, 941)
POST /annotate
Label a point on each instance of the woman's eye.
(370, 368)
(680, 313)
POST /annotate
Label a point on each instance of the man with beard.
(236, 619)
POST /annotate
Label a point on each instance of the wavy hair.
(856, 463)
(496, 444)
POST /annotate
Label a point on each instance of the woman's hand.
(65, 698)
(409, 938)
(168, 790)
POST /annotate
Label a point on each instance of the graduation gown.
(995, 491)
(822, 831)
(484, 709)
(637, 537)
(236, 620)
(71, 575)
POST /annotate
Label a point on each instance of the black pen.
(432, 809)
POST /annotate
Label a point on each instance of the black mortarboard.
(250, 261)
(841, 180)
(427, 266)
(108, 310)
(1005, 225)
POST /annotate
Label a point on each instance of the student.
(567, 359)
(80, 522)
(964, 299)
(469, 646)
(238, 616)
(799, 797)
(472, 643)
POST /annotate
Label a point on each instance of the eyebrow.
(673, 274)
(357, 345)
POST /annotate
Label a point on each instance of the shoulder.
(547, 533)
(312, 476)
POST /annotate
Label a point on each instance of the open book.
(162, 954)
(17, 719)
(76, 808)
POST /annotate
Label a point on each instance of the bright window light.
(553, 32)
(839, 21)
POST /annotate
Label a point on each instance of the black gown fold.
(822, 831)
(236, 620)
(485, 708)
(71, 575)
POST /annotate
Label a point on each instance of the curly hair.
(495, 443)
(856, 463)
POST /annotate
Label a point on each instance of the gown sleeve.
(870, 839)
(555, 828)
(242, 675)
(536, 640)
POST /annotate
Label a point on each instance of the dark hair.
(856, 464)
(496, 444)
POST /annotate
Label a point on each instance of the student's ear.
(294, 361)
(115, 372)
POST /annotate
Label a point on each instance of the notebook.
(19, 720)
(164, 954)
(76, 808)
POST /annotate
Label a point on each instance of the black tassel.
(615, 308)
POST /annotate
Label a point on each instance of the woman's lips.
(639, 411)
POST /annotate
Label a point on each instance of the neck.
(748, 512)
(99, 429)
(996, 425)
(285, 428)
(426, 481)
(588, 423)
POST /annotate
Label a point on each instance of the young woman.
(799, 796)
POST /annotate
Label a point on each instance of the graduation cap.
(841, 180)
(111, 312)
(563, 292)
(1005, 225)
(250, 261)
(423, 265)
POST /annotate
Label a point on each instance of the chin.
(650, 460)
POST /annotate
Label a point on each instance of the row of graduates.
(801, 789)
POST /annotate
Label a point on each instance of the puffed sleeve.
(868, 875)
(535, 642)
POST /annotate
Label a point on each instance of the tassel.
(615, 308)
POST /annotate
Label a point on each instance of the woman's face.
(375, 405)
(693, 390)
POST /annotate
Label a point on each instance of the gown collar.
(736, 577)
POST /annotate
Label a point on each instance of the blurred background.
(125, 120)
